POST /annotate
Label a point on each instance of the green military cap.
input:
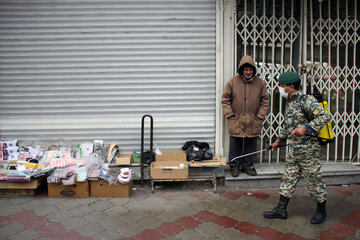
(288, 78)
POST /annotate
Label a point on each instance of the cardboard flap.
(170, 164)
(171, 156)
(217, 161)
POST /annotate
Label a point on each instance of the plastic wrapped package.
(93, 160)
(98, 146)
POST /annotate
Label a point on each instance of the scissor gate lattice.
(319, 40)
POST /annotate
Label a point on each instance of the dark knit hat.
(289, 78)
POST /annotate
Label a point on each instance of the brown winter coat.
(245, 103)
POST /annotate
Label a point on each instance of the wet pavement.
(180, 211)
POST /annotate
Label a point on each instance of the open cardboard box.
(78, 190)
(169, 170)
(21, 188)
(123, 159)
(170, 165)
(102, 188)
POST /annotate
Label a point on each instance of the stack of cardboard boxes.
(89, 188)
(168, 165)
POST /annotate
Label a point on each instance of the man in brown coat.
(245, 102)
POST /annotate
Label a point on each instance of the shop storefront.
(72, 72)
(76, 71)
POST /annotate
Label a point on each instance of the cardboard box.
(102, 188)
(13, 192)
(169, 170)
(171, 156)
(21, 188)
(123, 159)
(78, 190)
(217, 161)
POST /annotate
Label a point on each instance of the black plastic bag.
(197, 151)
(145, 158)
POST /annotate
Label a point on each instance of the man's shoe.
(280, 211)
(320, 214)
(234, 172)
(250, 172)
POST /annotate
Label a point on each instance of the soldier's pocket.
(234, 125)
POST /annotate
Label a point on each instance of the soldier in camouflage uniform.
(303, 116)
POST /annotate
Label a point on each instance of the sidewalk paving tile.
(184, 213)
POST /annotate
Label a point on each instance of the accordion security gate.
(319, 40)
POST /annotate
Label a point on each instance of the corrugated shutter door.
(74, 71)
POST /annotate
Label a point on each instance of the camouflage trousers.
(305, 160)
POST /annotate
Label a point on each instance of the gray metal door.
(319, 40)
(74, 71)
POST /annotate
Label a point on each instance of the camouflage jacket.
(301, 110)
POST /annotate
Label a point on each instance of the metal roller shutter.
(74, 71)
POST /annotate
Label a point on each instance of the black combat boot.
(280, 211)
(320, 214)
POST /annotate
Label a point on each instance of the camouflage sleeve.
(315, 112)
(283, 132)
